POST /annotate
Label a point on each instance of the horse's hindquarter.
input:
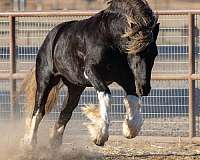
(70, 52)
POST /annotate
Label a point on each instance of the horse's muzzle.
(144, 91)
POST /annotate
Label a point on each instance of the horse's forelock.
(140, 22)
(140, 42)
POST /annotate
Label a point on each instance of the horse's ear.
(156, 31)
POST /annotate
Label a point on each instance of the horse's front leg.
(133, 121)
(99, 116)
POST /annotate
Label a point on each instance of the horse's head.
(141, 64)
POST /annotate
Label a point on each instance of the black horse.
(116, 45)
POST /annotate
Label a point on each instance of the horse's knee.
(95, 78)
(133, 121)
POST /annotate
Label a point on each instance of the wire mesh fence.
(31, 32)
(172, 45)
(5, 108)
(197, 43)
(165, 110)
(4, 44)
(197, 107)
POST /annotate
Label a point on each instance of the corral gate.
(171, 109)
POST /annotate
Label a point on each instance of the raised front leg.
(99, 116)
(133, 121)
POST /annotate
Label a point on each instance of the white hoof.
(131, 128)
(98, 133)
(56, 137)
(28, 142)
(98, 129)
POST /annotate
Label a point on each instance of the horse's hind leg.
(69, 104)
(45, 82)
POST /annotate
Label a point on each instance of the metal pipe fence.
(171, 109)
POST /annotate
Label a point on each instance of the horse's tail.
(29, 88)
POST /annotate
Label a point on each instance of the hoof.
(55, 142)
(98, 129)
(56, 137)
(98, 134)
(100, 140)
(28, 143)
(131, 128)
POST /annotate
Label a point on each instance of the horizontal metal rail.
(89, 13)
(19, 76)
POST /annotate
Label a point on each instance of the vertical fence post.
(12, 66)
(191, 43)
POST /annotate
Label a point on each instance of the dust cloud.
(11, 147)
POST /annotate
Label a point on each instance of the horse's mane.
(140, 19)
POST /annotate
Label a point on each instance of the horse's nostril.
(140, 92)
(143, 91)
(147, 91)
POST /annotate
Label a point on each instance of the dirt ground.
(81, 148)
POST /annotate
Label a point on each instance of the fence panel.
(4, 44)
(172, 45)
(165, 110)
(30, 34)
(5, 109)
(197, 43)
(197, 107)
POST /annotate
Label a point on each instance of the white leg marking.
(56, 136)
(56, 131)
(61, 130)
(30, 137)
(101, 128)
(85, 75)
(104, 102)
(133, 121)
(100, 119)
